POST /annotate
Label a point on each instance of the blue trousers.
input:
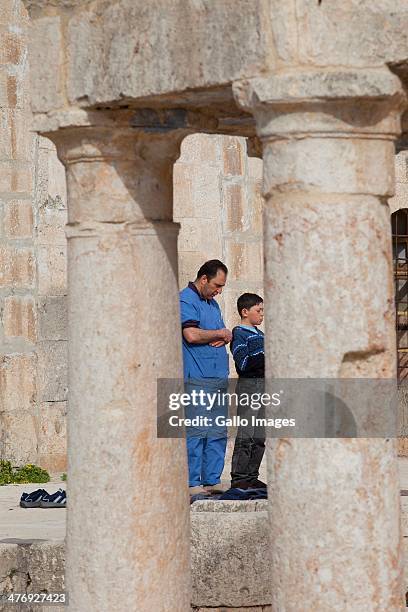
(206, 458)
(206, 445)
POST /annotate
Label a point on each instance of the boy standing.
(247, 347)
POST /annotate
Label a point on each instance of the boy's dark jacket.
(247, 348)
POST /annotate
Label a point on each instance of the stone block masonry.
(218, 203)
(18, 361)
(50, 212)
(32, 268)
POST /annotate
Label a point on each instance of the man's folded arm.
(195, 335)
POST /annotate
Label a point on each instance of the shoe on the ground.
(199, 489)
(56, 500)
(258, 484)
(243, 484)
(216, 488)
(33, 499)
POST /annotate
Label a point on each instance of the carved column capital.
(144, 137)
(327, 131)
(120, 165)
(320, 102)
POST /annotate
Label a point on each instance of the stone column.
(128, 510)
(328, 169)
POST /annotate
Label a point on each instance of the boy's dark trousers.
(250, 440)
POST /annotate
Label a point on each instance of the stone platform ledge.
(229, 555)
(229, 549)
(31, 566)
(223, 609)
(214, 505)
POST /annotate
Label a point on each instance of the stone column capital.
(120, 165)
(121, 133)
(115, 137)
(324, 102)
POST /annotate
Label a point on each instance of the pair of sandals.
(42, 499)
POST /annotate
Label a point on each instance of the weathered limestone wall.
(201, 46)
(355, 33)
(218, 203)
(50, 209)
(32, 267)
(176, 46)
(18, 366)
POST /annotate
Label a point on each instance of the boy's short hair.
(247, 300)
(210, 269)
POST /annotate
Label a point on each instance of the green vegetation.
(64, 476)
(27, 473)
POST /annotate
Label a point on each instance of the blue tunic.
(202, 360)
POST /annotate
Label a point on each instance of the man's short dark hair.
(210, 269)
(247, 300)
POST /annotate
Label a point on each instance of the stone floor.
(44, 560)
(49, 524)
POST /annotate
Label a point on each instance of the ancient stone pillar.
(328, 168)
(128, 511)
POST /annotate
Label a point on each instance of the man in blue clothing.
(205, 362)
